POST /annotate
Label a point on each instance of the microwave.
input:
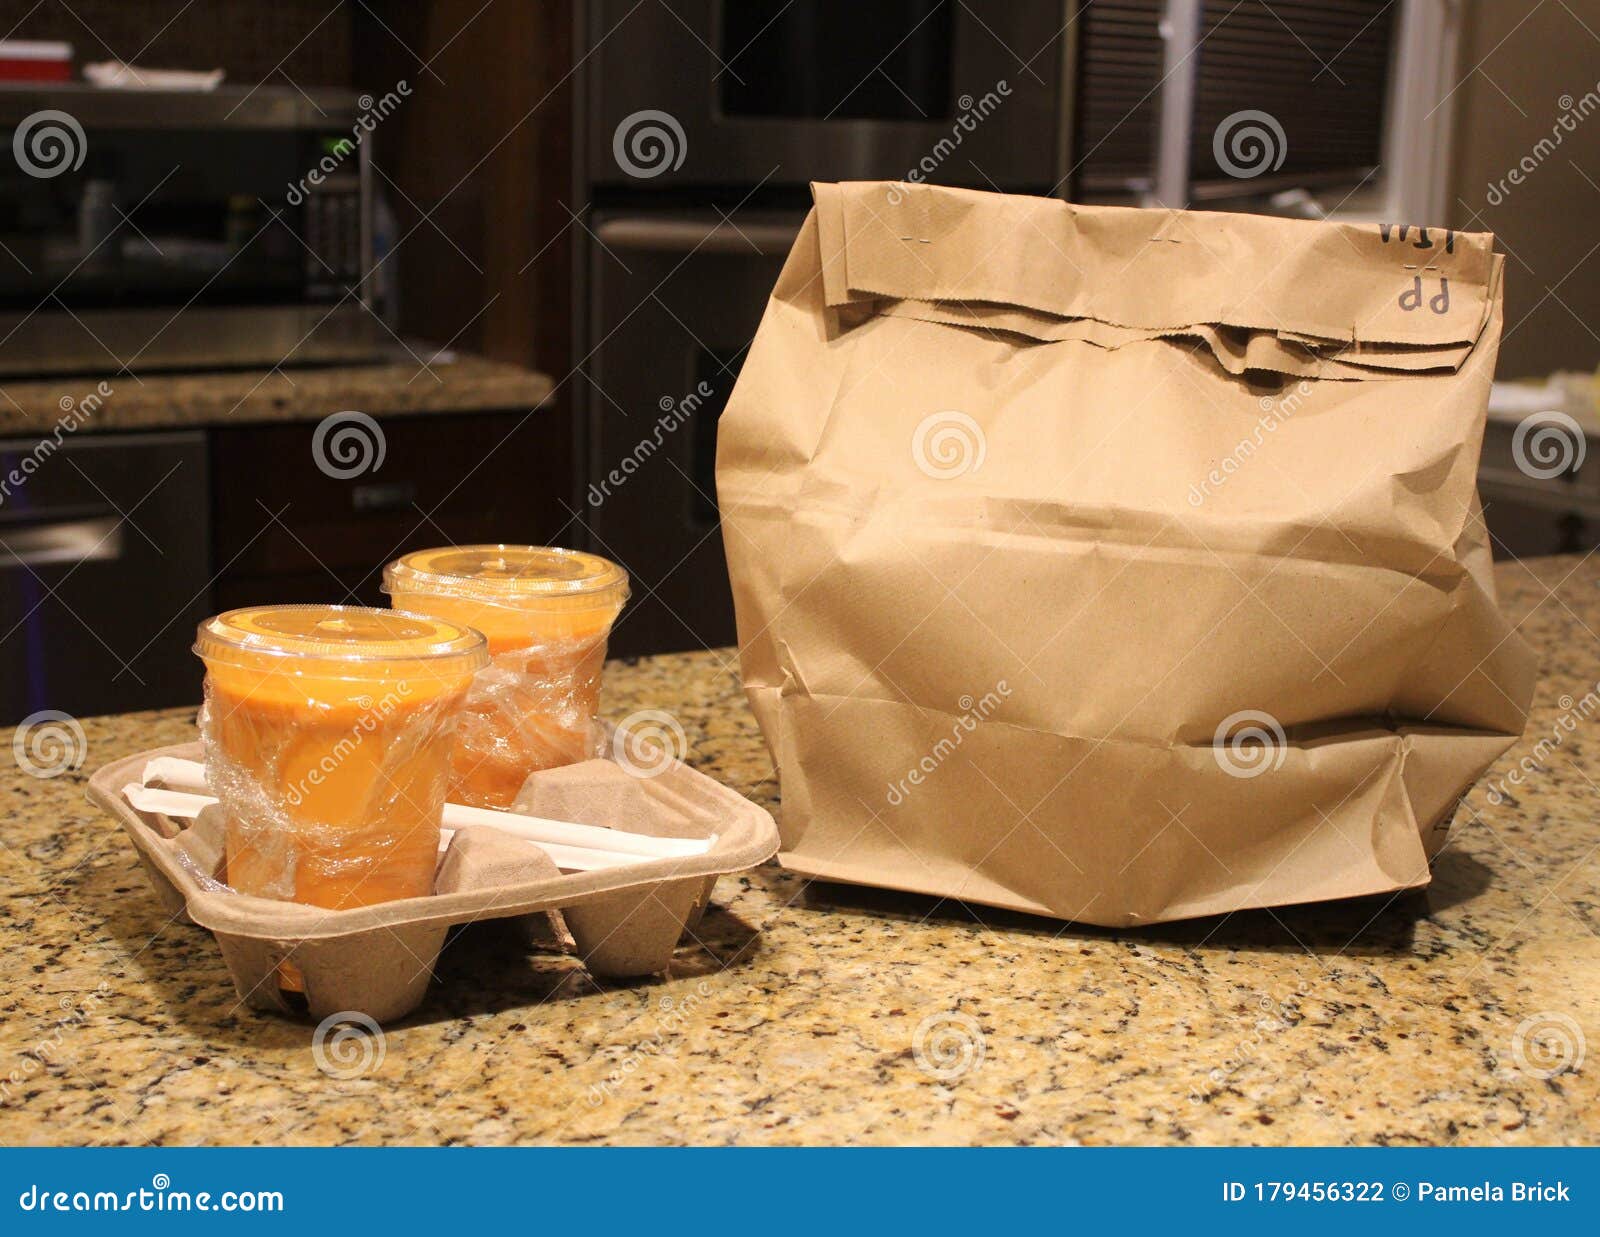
(156, 230)
(689, 94)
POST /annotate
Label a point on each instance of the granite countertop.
(237, 397)
(793, 1013)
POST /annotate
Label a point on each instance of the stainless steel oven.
(104, 546)
(960, 91)
(162, 229)
(701, 124)
(675, 297)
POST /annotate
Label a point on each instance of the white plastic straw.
(190, 775)
(182, 805)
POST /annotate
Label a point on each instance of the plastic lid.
(510, 574)
(352, 636)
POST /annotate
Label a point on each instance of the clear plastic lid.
(352, 639)
(513, 575)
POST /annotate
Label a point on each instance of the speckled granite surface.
(794, 1015)
(237, 397)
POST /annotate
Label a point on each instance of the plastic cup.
(327, 733)
(547, 614)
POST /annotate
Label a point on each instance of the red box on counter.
(27, 61)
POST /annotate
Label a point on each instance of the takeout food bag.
(1118, 565)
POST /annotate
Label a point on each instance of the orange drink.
(546, 614)
(327, 733)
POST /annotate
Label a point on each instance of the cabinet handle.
(66, 541)
(383, 496)
(688, 236)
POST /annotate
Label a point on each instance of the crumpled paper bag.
(1118, 565)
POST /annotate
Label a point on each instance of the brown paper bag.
(1118, 565)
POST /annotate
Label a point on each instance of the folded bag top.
(1055, 271)
(1118, 565)
(1153, 269)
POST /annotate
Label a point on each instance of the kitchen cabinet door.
(299, 521)
(103, 573)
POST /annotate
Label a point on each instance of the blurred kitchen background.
(290, 288)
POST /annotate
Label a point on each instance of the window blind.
(1318, 68)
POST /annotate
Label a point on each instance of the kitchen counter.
(236, 397)
(803, 1012)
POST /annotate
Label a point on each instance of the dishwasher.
(104, 572)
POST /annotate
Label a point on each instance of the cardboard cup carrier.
(624, 922)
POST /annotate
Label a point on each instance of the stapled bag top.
(1361, 293)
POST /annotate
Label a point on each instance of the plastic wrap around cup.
(546, 614)
(327, 741)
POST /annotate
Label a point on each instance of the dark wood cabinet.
(285, 530)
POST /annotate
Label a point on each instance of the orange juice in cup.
(327, 733)
(547, 614)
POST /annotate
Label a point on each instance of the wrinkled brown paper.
(1118, 565)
